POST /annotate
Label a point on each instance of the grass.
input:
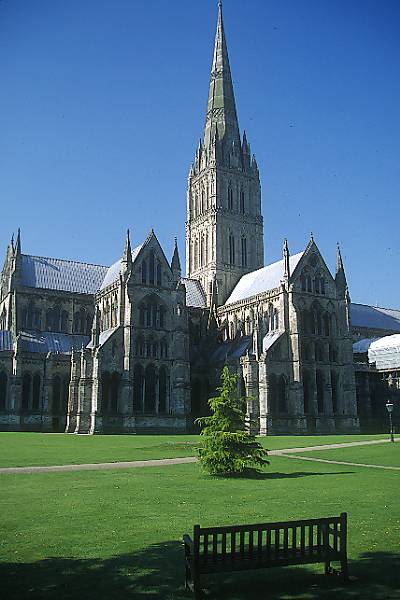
(382, 454)
(33, 449)
(113, 534)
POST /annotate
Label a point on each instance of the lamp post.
(389, 408)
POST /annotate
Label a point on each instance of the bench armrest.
(188, 541)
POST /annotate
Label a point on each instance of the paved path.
(286, 452)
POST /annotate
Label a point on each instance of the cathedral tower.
(224, 228)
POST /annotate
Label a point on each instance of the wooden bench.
(262, 545)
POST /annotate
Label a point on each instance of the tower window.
(231, 249)
(230, 198)
(244, 252)
(242, 201)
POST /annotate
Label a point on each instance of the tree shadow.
(260, 475)
(158, 572)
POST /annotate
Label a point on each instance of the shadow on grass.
(157, 572)
(253, 474)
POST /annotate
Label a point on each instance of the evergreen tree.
(228, 448)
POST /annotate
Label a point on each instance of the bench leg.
(344, 569)
(328, 569)
(196, 587)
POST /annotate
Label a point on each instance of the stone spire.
(176, 264)
(17, 249)
(340, 279)
(221, 108)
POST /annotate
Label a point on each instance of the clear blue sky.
(102, 104)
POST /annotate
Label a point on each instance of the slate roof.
(61, 275)
(194, 293)
(363, 345)
(262, 280)
(270, 338)
(374, 317)
(232, 349)
(6, 340)
(58, 343)
(103, 337)
(112, 273)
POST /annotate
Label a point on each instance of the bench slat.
(266, 526)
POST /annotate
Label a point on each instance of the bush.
(228, 448)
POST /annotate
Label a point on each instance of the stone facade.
(137, 348)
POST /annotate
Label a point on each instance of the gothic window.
(3, 390)
(159, 283)
(64, 321)
(105, 391)
(309, 283)
(273, 394)
(142, 315)
(114, 392)
(144, 272)
(36, 392)
(334, 384)
(266, 322)
(306, 392)
(206, 248)
(140, 346)
(162, 317)
(316, 284)
(231, 249)
(162, 396)
(244, 252)
(80, 321)
(282, 394)
(163, 349)
(64, 394)
(150, 389)
(230, 198)
(56, 398)
(138, 388)
(26, 391)
(322, 285)
(3, 319)
(276, 319)
(305, 351)
(89, 321)
(202, 207)
(248, 326)
(242, 202)
(320, 391)
(319, 352)
(151, 268)
(327, 324)
(303, 282)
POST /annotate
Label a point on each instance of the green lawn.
(381, 454)
(23, 449)
(100, 535)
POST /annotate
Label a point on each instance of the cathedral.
(137, 347)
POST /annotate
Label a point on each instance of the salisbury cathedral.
(138, 347)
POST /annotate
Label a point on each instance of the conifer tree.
(228, 448)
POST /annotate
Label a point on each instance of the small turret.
(126, 261)
(245, 152)
(17, 249)
(96, 328)
(286, 257)
(176, 264)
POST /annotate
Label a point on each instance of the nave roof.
(262, 280)
(61, 275)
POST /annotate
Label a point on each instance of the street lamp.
(389, 408)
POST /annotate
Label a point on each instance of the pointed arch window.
(36, 391)
(242, 202)
(151, 268)
(230, 198)
(231, 249)
(159, 280)
(3, 390)
(144, 272)
(244, 252)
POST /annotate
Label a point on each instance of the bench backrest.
(265, 538)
